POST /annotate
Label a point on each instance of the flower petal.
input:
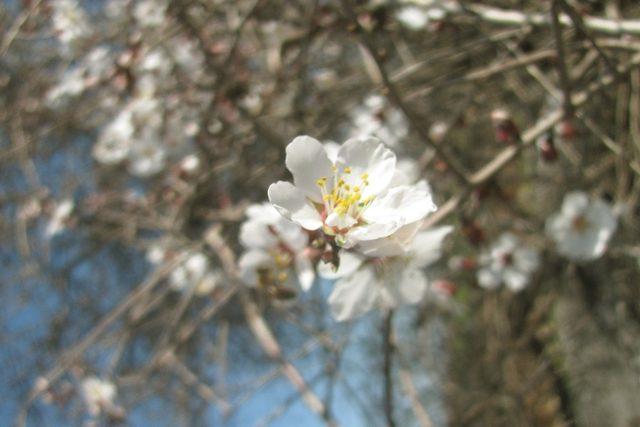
(427, 245)
(514, 279)
(307, 161)
(574, 203)
(489, 278)
(410, 202)
(354, 295)
(263, 212)
(526, 259)
(255, 234)
(249, 262)
(304, 269)
(602, 217)
(292, 204)
(367, 155)
(407, 287)
(396, 244)
(349, 263)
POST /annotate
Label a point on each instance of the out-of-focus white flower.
(583, 227)
(275, 247)
(98, 395)
(147, 158)
(150, 13)
(69, 22)
(190, 272)
(412, 17)
(155, 61)
(71, 84)
(193, 272)
(209, 282)
(114, 141)
(190, 164)
(376, 118)
(98, 62)
(349, 199)
(60, 215)
(324, 78)
(156, 253)
(507, 262)
(367, 283)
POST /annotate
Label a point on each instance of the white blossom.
(507, 262)
(147, 158)
(583, 227)
(72, 83)
(115, 140)
(367, 283)
(60, 215)
(376, 118)
(98, 395)
(70, 22)
(275, 247)
(349, 199)
(150, 13)
(412, 17)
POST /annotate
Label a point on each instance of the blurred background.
(135, 133)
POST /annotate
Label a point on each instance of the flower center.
(580, 223)
(507, 259)
(343, 203)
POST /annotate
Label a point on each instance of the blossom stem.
(387, 336)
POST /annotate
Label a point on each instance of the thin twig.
(387, 332)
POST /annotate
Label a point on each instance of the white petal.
(526, 259)
(263, 212)
(377, 230)
(291, 234)
(409, 288)
(349, 263)
(354, 295)
(557, 226)
(255, 234)
(307, 160)
(574, 203)
(406, 173)
(292, 204)
(367, 155)
(304, 269)
(340, 221)
(489, 278)
(427, 245)
(396, 244)
(412, 17)
(506, 244)
(410, 202)
(249, 262)
(332, 149)
(514, 279)
(602, 216)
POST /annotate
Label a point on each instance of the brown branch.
(387, 336)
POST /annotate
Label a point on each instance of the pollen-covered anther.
(283, 260)
(283, 276)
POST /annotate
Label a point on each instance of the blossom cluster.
(355, 213)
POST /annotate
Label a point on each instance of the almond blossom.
(350, 199)
(375, 117)
(583, 227)
(98, 395)
(276, 248)
(507, 262)
(383, 282)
